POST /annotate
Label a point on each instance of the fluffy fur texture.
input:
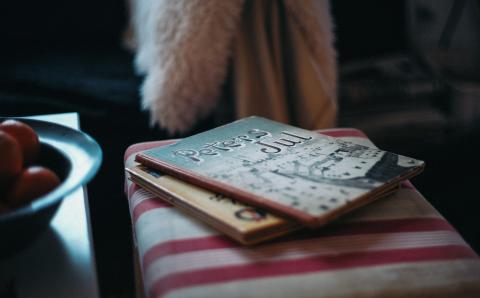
(183, 46)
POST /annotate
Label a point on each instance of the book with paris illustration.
(300, 174)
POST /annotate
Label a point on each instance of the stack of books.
(257, 179)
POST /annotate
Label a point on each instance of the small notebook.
(300, 174)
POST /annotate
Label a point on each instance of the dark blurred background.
(409, 77)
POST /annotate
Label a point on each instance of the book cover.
(244, 223)
(298, 173)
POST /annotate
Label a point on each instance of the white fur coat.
(183, 47)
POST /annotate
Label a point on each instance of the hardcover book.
(294, 172)
(244, 223)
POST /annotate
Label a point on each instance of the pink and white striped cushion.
(398, 246)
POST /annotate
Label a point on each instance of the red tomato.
(26, 137)
(32, 183)
(11, 159)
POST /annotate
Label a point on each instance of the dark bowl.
(75, 157)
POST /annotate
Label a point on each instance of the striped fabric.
(398, 246)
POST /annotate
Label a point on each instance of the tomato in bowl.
(66, 159)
